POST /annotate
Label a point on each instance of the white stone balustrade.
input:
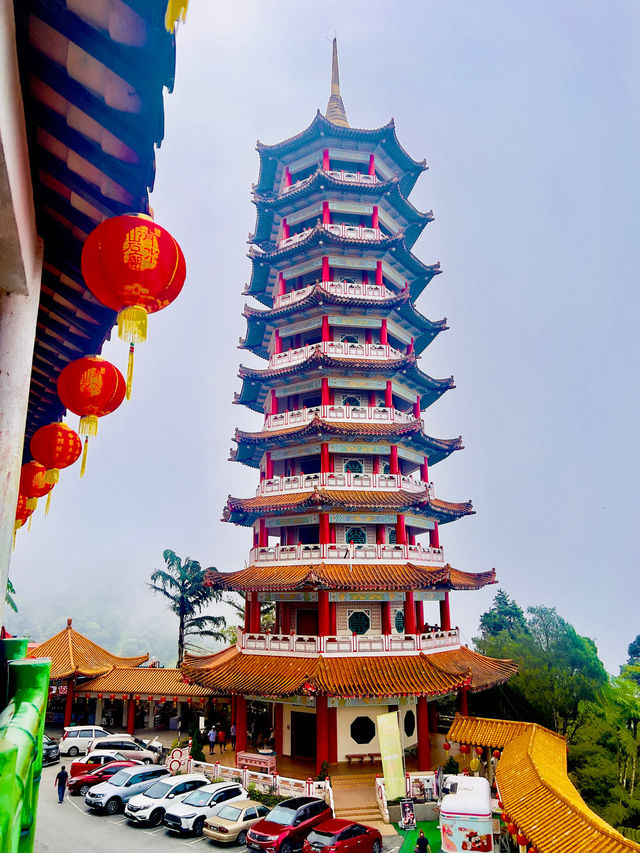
(347, 553)
(355, 289)
(364, 414)
(338, 175)
(340, 480)
(337, 349)
(347, 644)
(349, 232)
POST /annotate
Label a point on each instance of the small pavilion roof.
(245, 510)
(536, 791)
(251, 445)
(147, 681)
(73, 654)
(352, 577)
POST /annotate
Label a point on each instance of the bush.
(196, 743)
(451, 766)
(269, 800)
(324, 772)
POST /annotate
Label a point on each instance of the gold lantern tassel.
(88, 425)
(32, 503)
(16, 527)
(29, 522)
(48, 504)
(52, 476)
(83, 467)
(130, 370)
(132, 324)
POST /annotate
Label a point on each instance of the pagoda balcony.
(341, 480)
(347, 553)
(361, 414)
(341, 175)
(349, 232)
(355, 289)
(338, 349)
(334, 645)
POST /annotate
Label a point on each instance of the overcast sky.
(528, 116)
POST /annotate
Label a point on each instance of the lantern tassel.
(52, 475)
(48, 503)
(130, 370)
(32, 503)
(29, 522)
(88, 425)
(83, 467)
(132, 324)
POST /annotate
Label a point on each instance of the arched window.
(350, 400)
(354, 466)
(356, 536)
(349, 339)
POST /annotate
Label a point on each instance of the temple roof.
(253, 444)
(74, 654)
(257, 383)
(536, 792)
(352, 576)
(147, 681)
(438, 674)
(246, 510)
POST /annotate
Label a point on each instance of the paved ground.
(72, 827)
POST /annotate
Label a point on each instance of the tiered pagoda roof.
(146, 681)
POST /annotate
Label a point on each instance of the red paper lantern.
(465, 749)
(135, 267)
(446, 746)
(511, 829)
(496, 753)
(91, 387)
(32, 483)
(55, 446)
(22, 512)
(479, 751)
(521, 839)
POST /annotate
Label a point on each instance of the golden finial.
(336, 113)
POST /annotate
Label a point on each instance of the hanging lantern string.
(83, 466)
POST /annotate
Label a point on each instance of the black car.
(50, 750)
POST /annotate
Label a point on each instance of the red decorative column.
(379, 273)
(401, 530)
(247, 613)
(285, 229)
(322, 731)
(282, 285)
(332, 610)
(323, 613)
(388, 395)
(386, 617)
(287, 177)
(326, 272)
(255, 614)
(241, 724)
(424, 470)
(424, 756)
(372, 164)
(445, 614)
(326, 163)
(434, 536)
(463, 703)
(384, 336)
(131, 716)
(417, 411)
(326, 213)
(409, 613)
(393, 460)
(374, 217)
(68, 703)
(324, 529)
(380, 531)
(325, 398)
(333, 735)
(326, 329)
(419, 616)
(277, 342)
(279, 726)
(268, 466)
(263, 535)
(325, 462)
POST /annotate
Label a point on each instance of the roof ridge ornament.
(336, 113)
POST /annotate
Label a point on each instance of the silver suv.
(110, 796)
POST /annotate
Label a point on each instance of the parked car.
(50, 750)
(95, 759)
(151, 806)
(231, 821)
(75, 739)
(342, 836)
(191, 813)
(287, 825)
(110, 796)
(81, 783)
(130, 747)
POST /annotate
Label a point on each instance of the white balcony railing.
(354, 289)
(362, 414)
(337, 349)
(360, 644)
(269, 554)
(350, 232)
(341, 480)
(348, 177)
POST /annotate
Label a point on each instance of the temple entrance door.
(307, 623)
(303, 735)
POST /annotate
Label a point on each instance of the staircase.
(355, 798)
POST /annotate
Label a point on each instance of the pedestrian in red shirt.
(222, 739)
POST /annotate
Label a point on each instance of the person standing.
(61, 783)
(222, 740)
(212, 739)
(233, 736)
(422, 843)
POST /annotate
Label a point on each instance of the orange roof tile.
(352, 576)
(486, 672)
(73, 654)
(481, 731)
(335, 427)
(146, 681)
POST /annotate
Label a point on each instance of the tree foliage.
(183, 584)
(503, 615)
(9, 596)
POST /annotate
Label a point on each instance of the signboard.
(351, 263)
(299, 387)
(365, 596)
(353, 702)
(407, 814)
(418, 521)
(392, 754)
(369, 384)
(367, 322)
(292, 520)
(360, 518)
(291, 453)
(429, 595)
(337, 447)
(287, 596)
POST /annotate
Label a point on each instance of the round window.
(359, 622)
(399, 621)
(409, 723)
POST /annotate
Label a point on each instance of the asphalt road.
(72, 827)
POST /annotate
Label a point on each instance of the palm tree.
(184, 584)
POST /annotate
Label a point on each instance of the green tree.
(633, 650)
(8, 596)
(183, 584)
(503, 615)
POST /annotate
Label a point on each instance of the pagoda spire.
(336, 113)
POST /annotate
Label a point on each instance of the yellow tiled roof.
(147, 681)
(72, 653)
(486, 672)
(536, 792)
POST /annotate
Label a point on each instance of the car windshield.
(157, 791)
(198, 798)
(321, 839)
(281, 815)
(119, 779)
(229, 813)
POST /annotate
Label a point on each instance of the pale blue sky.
(527, 114)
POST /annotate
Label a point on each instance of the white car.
(76, 739)
(151, 806)
(191, 813)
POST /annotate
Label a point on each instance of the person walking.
(233, 736)
(422, 843)
(222, 740)
(212, 739)
(61, 783)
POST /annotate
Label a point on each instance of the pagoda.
(345, 520)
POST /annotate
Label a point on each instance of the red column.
(368, 337)
(282, 285)
(131, 716)
(255, 613)
(326, 163)
(286, 619)
(445, 615)
(424, 470)
(417, 411)
(419, 616)
(268, 466)
(434, 536)
(333, 735)
(372, 164)
(279, 727)
(463, 703)
(287, 177)
(401, 530)
(68, 703)
(374, 216)
(285, 229)
(410, 347)
(326, 329)
(380, 534)
(332, 527)
(379, 273)
(325, 397)
(323, 613)
(273, 408)
(326, 272)
(325, 465)
(241, 724)
(424, 757)
(409, 613)
(277, 342)
(372, 402)
(384, 337)
(326, 213)
(394, 468)
(325, 534)
(388, 395)
(263, 536)
(332, 606)
(386, 617)
(322, 731)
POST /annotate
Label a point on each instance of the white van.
(76, 739)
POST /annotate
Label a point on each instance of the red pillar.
(379, 273)
(241, 724)
(332, 607)
(274, 404)
(326, 213)
(268, 466)
(434, 536)
(463, 703)
(325, 534)
(372, 164)
(424, 470)
(285, 229)
(384, 337)
(386, 617)
(326, 272)
(333, 735)
(368, 336)
(445, 614)
(255, 614)
(410, 347)
(409, 613)
(323, 613)
(279, 727)
(424, 757)
(380, 532)
(131, 716)
(388, 395)
(263, 535)
(325, 464)
(287, 177)
(68, 703)
(282, 285)
(372, 402)
(419, 616)
(326, 163)
(277, 342)
(417, 411)
(394, 468)
(401, 530)
(326, 329)
(325, 397)
(322, 731)
(374, 216)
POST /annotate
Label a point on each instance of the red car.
(81, 783)
(342, 836)
(287, 825)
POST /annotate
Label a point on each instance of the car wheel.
(147, 761)
(84, 790)
(286, 847)
(73, 751)
(112, 806)
(198, 826)
(156, 817)
(242, 838)
(376, 847)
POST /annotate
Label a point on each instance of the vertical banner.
(392, 755)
